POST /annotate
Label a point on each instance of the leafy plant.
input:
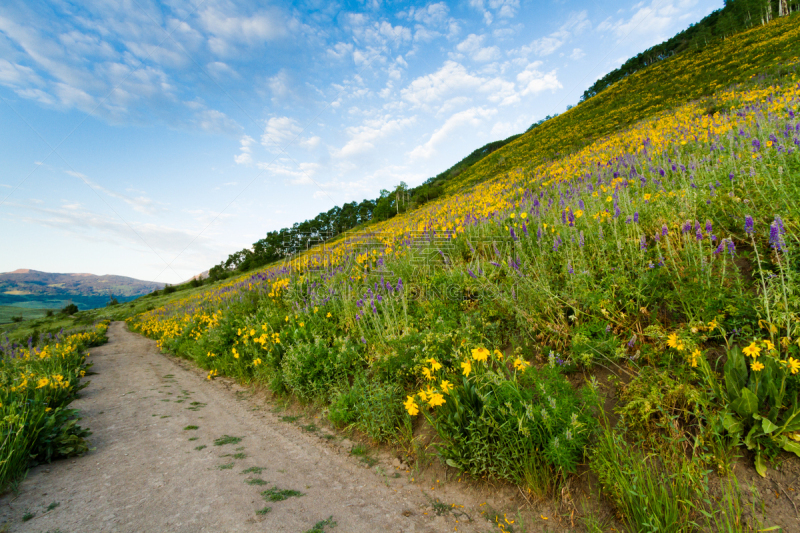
(760, 401)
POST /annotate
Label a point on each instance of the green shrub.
(312, 370)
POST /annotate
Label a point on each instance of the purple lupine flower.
(657, 236)
(731, 247)
(628, 219)
(719, 248)
(513, 235)
(664, 230)
(687, 226)
(756, 145)
(539, 234)
(731, 176)
(581, 205)
(708, 226)
(524, 229)
(748, 225)
(569, 267)
(636, 217)
(617, 212)
(494, 263)
(776, 232)
(661, 172)
(632, 341)
(556, 243)
(643, 243)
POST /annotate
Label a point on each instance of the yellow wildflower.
(328, 315)
(752, 350)
(499, 354)
(519, 364)
(769, 345)
(434, 365)
(411, 406)
(672, 340)
(794, 365)
(446, 386)
(480, 354)
(756, 366)
(436, 399)
(427, 373)
(467, 367)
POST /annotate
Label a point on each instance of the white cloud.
(214, 121)
(245, 151)
(364, 137)
(576, 24)
(473, 46)
(495, 8)
(228, 31)
(473, 117)
(452, 77)
(533, 81)
(282, 132)
(431, 15)
(576, 54)
(651, 22)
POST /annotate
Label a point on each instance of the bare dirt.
(149, 472)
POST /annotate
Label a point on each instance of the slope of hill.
(35, 289)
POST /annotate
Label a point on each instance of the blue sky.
(153, 139)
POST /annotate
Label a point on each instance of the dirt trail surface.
(151, 472)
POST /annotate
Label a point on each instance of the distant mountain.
(34, 289)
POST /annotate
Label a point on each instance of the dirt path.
(150, 473)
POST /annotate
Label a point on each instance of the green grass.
(322, 525)
(201, 447)
(227, 439)
(253, 470)
(255, 481)
(191, 428)
(278, 495)
(227, 466)
(263, 511)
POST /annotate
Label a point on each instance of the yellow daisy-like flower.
(647, 197)
(672, 340)
(434, 364)
(423, 395)
(523, 216)
(695, 356)
(446, 386)
(499, 354)
(794, 365)
(427, 373)
(579, 213)
(256, 362)
(519, 364)
(42, 383)
(756, 366)
(512, 215)
(436, 399)
(316, 309)
(752, 350)
(411, 406)
(769, 345)
(328, 315)
(287, 318)
(302, 324)
(480, 354)
(466, 367)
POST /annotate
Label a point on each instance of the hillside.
(35, 289)
(635, 257)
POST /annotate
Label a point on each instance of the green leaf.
(731, 424)
(452, 463)
(735, 373)
(761, 467)
(792, 446)
(768, 426)
(747, 405)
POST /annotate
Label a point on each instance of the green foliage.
(69, 309)
(760, 407)
(372, 407)
(312, 370)
(528, 429)
(652, 491)
(278, 495)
